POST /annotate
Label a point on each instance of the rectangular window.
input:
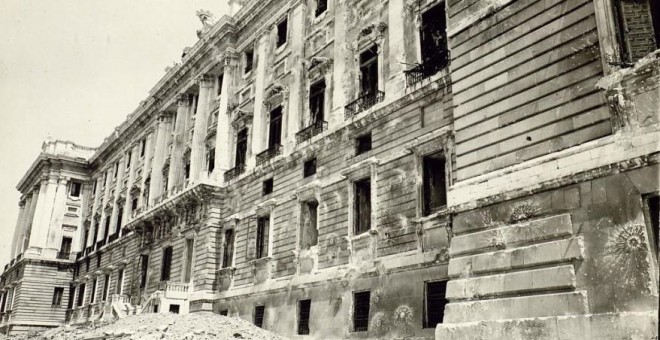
(143, 147)
(241, 147)
(228, 249)
(635, 21)
(653, 223)
(119, 290)
(317, 102)
(72, 291)
(186, 168)
(275, 127)
(107, 227)
(221, 79)
(211, 160)
(81, 295)
(309, 167)
(361, 304)
(267, 187)
(224, 312)
(433, 40)
(106, 287)
(75, 189)
(282, 32)
(259, 316)
(369, 71)
(363, 144)
(321, 6)
(57, 296)
(95, 186)
(304, 308)
(129, 155)
(263, 225)
(190, 246)
(249, 59)
(166, 264)
(434, 303)
(144, 266)
(92, 297)
(174, 309)
(99, 257)
(120, 217)
(116, 172)
(362, 206)
(65, 248)
(134, 204)
(309, 233)
(434, 186)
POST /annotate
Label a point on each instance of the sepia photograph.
(330, 169)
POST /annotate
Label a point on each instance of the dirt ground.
(197, 326)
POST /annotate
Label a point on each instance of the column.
(175, 176)
(156, 186)
(259, 123)
(222, 144)
(25, 223)
(296, 94)
(131, 179)
(41, 221)
(56, 219)
(396, 45)
(15, 245)
(146, 169)
(30, 217)
(198, 149)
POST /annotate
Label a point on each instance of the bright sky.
(73, 69)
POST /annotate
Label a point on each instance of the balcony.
(63, 255)
(311, 131)
(268, 154)
(176, 290)
(235, 172)
(426, 69)
(363, 102)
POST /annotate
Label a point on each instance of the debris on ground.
(197, 326)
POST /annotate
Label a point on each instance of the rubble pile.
(197, 326)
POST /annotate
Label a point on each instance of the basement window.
(362, 206)
(309, 233)
(434, 185)
(166, 264)
(434, 303)
(361, 301)
(57, 297)
(248, 56)
(267, 187)
(363, 144)
(263, 224)
(282, 31)
(309, 167)
(174, 309)
(259, 316)
(190, 247)
(224, 312)
(75, 189)
(304, 307)
(228, 249)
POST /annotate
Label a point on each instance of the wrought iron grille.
(234, 172)
(363, 102)
(268, 154)
(311, 131)
(426, 69)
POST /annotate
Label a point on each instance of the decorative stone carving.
(275, 94)
(208, 19)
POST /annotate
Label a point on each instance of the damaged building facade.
(330, 169)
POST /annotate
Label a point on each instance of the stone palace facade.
(335, 169)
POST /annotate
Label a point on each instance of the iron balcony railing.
(311, 131)
(268, 154)
(235, 172)
(363, 102)
(426, 69)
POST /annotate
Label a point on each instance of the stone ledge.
(558, 304)
(627, 325)
(554, 278)
(534, 255)
(503, 237)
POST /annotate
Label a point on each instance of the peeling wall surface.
(502, 186)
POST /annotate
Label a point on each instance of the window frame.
(427, 208)
(228, 248)
(75, 193)
(426, 323)
(267, 186)
(248, 60)
(259, 315)
(359, 141)
(283, 24)
(58, 297)
(317, 91)
(358, 228)
(354, 315)
(303, 323)
(262, 237)
(307, 169)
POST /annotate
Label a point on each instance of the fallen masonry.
(199, 326)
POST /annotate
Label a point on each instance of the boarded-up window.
(361, 301)
(57, 296)
(241, 147)
(304, 308)
(263, 225)
(434, 303)
(144, 266)
(166, 264)
(369, 71)
(259, 316)
(434, 186)
(362, 206)
(190, 243)
(309, 233)
(228, 249)
(317, 102)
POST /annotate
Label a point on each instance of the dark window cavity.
(57, 296)
(309, 233)
(263, 226)
(120, 281)
(65, 248)
(434, 303)
(321, 6)
(275, 128)
(282, 32)
(144, 266)
(166, 264)
(106, 287)
(241, 147)
(433, 40)
(636, 21)
(174, 309)
(267, 187)
(143, 147)
(228, 249)
(211, 160)
(317, 102)
(304, 308)
(93, 293)
(75, 189)
(249, 58)
(362, 207)
(221, 79)
(309, 167)
(361, 301)
(81, 295)
(224, 312)
(363, 144)
(435, 187)
(369, 71)
(259, 316)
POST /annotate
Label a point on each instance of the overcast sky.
(73, 69)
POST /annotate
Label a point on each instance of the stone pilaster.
(259, 125)
(135, 155)
(30, 217)
(179, 136)
(55, 225)
(41, 221)
(25, 224)
(162, 131)
(17, 229)
(222, 145)
(197, 154)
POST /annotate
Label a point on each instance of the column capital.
(63, 179)
(204, 80)
(183, 99)
(21, 203)
(226, 57)
(164, 116)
